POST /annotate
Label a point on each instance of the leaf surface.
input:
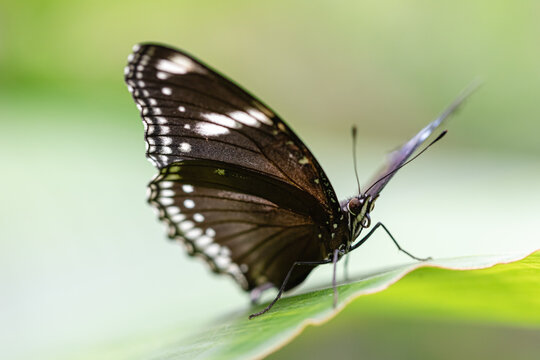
(502, 289)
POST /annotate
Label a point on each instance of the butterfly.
(235, 185)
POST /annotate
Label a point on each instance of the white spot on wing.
(198, 217)
(165, 141)
(164, 130)
(165, 184)
(225, 251)
(157, 120)
(303, 160)
(162, 76)
(234, 270)
(181, 109)
(260, 116)
(179, 64)
(167, 193)
(193, 233)
(187, 188)
(424, 134)
(186, 225)
(178, 218)
(212, 250)
(206, 129)
(166, 201)
(222, 262)
(185, 147)
(220, 119)
(188, 203)
(166, 90)
(203, 241)
(244, 118)
(171, 67)
(210, 232)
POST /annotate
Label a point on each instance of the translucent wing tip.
(463, 95)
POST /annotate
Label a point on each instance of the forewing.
(190, 112)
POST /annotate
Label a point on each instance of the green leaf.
(495, 289)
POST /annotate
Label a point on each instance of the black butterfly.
(236, 186)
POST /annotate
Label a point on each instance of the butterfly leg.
(346, 267)
(334, 284)
(281, 289)
(379, 224)
(256, 293)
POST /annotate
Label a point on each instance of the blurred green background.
(83, 260)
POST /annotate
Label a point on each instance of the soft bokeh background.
(83, 261)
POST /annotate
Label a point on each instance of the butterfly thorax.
(335, 236)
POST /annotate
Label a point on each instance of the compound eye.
(354, 206)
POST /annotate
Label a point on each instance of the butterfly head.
(358, 209)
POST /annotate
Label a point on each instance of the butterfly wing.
(398, 157)
(237, 220)
(246, 167)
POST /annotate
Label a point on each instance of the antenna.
(408, 161)
(354, 140)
